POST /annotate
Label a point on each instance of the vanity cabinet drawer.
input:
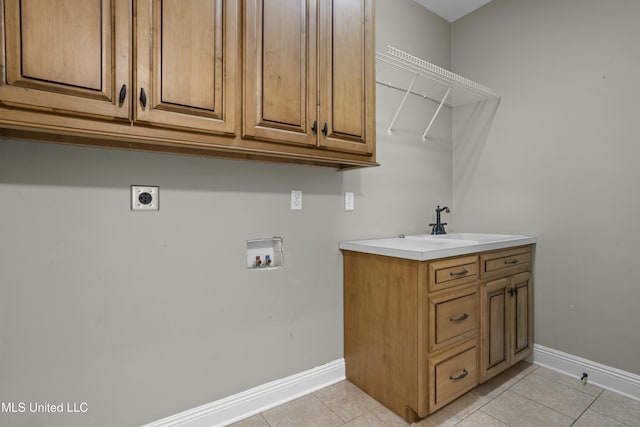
(453, 317)
(452, 373)
(503, 263)
(452, 272)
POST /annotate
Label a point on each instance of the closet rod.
(412, 92)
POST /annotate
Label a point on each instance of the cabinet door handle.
(459, 273)
(325, 129)
(314, 128)
(464, 316)
(511, 261)
(513, 291)
(461, 376)
(123, 94)
(143, 98)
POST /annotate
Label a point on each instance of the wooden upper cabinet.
(347, 80)
(283, 80)
(280, 90)
(309, 73)
(66, 56)
(186, 64)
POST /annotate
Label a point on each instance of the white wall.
(142, 314)
(559, 161)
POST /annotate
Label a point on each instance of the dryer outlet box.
(145, 198)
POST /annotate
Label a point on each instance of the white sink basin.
(416, 243)
(473, 237)
(457, 239)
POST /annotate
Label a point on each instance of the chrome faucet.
(438, 227)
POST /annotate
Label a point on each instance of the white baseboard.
(258, 399)
(613, 379)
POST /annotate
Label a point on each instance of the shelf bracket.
(404, 99)
(433, 119)
(459, 89)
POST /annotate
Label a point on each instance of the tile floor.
(524, 395)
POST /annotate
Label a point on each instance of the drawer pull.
(464, 316)
(460, 273)
(513, 261)
(461, 376)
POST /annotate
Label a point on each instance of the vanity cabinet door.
(521, 316)
(66, 57)
(494, 314)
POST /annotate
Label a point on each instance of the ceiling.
(452, 10)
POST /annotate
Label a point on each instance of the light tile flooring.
(524, 395)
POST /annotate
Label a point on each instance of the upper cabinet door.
(280, 89)
(186, 64)
(347, 80)
(66, 56)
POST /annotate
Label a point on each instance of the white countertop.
(425, 246)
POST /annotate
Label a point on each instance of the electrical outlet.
(349, 201)
(296, 200)
(145, 198)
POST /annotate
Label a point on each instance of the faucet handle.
(434, 228)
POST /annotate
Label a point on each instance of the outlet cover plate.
(296, 200)
(349, 201)
(145, 198)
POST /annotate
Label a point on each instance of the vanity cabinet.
(226, 78)
(419, 334)
(309, 73)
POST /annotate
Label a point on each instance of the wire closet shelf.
(418, 67)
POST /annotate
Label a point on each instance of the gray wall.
(560, 161)
(144, 314)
